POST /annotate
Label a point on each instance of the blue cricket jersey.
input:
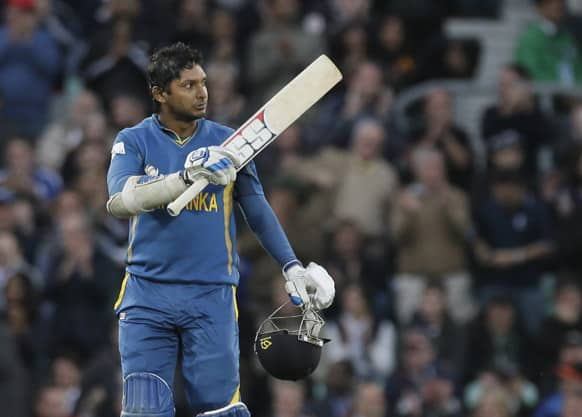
(199, 244)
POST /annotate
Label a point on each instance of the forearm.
(264, 223)
(145, 193)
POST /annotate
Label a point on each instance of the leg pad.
(146, 395)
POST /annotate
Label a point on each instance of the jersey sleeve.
(247, 182)
(126, 161)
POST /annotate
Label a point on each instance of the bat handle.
(176, 206)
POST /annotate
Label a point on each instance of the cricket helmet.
(289, 347)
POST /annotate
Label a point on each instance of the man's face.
(187, 96)
(553, 10)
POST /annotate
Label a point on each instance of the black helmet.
(290, 354)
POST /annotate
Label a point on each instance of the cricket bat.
(272, 119)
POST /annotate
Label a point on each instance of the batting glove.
(215, 163)
(309, 286)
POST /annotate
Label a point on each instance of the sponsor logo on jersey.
(118, 149)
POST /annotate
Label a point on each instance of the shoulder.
(219, 131)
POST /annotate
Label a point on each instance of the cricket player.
(178, 295)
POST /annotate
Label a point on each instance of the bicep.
(126, 161)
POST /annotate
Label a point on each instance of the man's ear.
(158, 94)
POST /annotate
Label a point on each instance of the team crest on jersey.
(118, 149)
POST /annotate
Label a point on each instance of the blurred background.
(440, 184)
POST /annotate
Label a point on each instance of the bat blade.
(276, 115)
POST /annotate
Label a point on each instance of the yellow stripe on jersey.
(121, 291)
(227, 204)
(235, 302)
(236, 396)
(131, 238)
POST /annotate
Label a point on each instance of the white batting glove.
(215, 163)
(309, 286)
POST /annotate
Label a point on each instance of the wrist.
(291, 266)
(184, 176)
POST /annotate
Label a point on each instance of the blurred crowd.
(458, 273)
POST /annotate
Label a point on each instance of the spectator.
(22, 176)
(339, 383)
(351, 46)
(279, 49)
(567, 400)
(51, 402)
(547, 50)
(192, 24)
(417, 367)
(367, 342)
(365, 97)
(66, 374)
(438, 131)
(116, 61)
(227, 105)
(494, 403)
(366, 205)
(495, 340)
(428, 224)
(29, 64)
(352, 260)
(565, 317)
(522, 393)
(288, 399)
(64, 134)
(511, 242)
(445, 334)
(370, 401)
(394, 53)
(517, 111)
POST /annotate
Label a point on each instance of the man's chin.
(191, 117)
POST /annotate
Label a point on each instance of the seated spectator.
(566, 402)
(65, 373)
(51, 401)
(548, 51)
(22, 176)
(428, 224)
(279, 49)
(439, 131)
(517, 111)
(411, 387)
(494, 403)
(227, 105)
(511, 242)
(14, 380)
(394, 53)
(30, 62)
(522, 393)
(370, 401)
(351, 46)
(445, 334)
(351, 260)
(81, 285)
(339, 391)
(288, 399)
(565, 317)
(365, 96)
(369, 343)
(495, 339)
(566, 204)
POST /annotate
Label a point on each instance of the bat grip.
(176, 206)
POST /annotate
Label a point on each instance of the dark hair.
(521, 71)
(168, 62)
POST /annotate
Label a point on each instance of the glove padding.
(309, 286)
(217, 164)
